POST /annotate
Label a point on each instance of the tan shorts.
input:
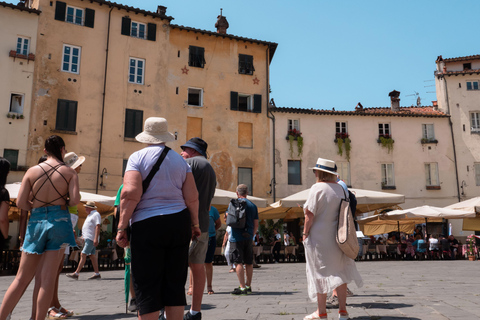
(198, 249)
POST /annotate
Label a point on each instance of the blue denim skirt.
(48, 229)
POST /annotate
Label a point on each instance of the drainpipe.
(453, 139)
(271, 116)
(103, 102)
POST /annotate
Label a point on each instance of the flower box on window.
(343, 139)
(12, 53)
(386, 141)
(295, 135)
(428, 140)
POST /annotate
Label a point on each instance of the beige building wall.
(16, 78)
(409, 154)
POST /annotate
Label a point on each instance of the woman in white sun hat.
(328, 267)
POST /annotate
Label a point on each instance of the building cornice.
(466, 58)
(132, 9)
(15, 7)
(457, 73)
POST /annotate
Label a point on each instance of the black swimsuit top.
(48, 173)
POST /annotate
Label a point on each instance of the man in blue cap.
(195, 154)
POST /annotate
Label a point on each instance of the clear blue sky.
(334, 54)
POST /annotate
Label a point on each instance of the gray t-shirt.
(206, 181)
(164, 194)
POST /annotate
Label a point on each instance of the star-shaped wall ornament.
(256, 80)
(185, 70)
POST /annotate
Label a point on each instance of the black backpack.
(236, 215)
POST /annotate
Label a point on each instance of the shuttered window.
(245, 177)
(138, 29)
(66, 115)
(12, 156)
(245, 102)
(133, 122)
(80, 16)
(245, 64)
(196, 57)
(294, 172)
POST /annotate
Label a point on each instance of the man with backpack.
(242, 216)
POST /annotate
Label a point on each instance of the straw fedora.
(326, 166)
(91, 205)
(72, 160)
(155, 131)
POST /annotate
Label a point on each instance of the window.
(431, 174)
(194, 128)
(138, 30)
(477, 173)
(12, 157)
(82, 17)
(135, 73)
(245, 102)
(428, 132)
(245, 177)
(245, 135)
(195, 97)
(22, 45)
(388, 180)
(343, 170)
(294, 172)
(467, 66)
(74, 15)
(66, 115)
(341, 127)
(71, 59)
(245, 64)
(196, 57)
(384, 129)
(475, 121)
(16, 103)
(293, 124)
(133, 122)
(472, 85)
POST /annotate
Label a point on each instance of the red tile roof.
(466, 58)
(456, 73)
(9, 5)
(403, 112)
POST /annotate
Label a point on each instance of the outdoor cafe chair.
(422, 255)
(392, 251)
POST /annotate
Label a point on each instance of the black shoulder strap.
(155, 168)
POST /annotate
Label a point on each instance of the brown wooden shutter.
(233, 100)
(152, 32)
(126, 24)
(60, 10)
(257, 103)
(89, 18)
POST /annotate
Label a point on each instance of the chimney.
(162, 10)
(222, 23)
(395, 100)
(435, 105)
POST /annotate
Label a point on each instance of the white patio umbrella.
(469, 224)
(223, 197)
(429, 212)
(367, 200)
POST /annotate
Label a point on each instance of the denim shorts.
(88, 248)
(48, 229)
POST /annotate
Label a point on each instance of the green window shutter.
(152, 32)
(233, 100)
(60, 10)
(138, 122)
(66, 115)
(133, 122)
(89, 18)
(257, 103)
(12, 157)
(72, 116)
(202, 52)
(126, 23)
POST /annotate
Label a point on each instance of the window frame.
(71, 107)
(22, 105)
(245, 64)
(431, 174)
(71, 56)
(388, 169)
(297, 180)
(384, 129)
(196, 57)
(138, 29)
(426, 133)
(475, 123)
(341, 127)
(249, 185)
(22, 49)
(345, 176)
(74, 21)
(472, 85)
(135, 74)
(293, 124)
(200, 99)
(249, 101)
(137, 125)
(13, 163)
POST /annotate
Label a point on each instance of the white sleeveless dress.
(327, 266)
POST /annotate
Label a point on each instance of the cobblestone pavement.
(392, 290)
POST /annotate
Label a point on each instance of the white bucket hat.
(72, 160)
(155, 131)
(325, 165)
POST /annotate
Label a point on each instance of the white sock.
(193, 312)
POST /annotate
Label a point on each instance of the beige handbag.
(346, 233)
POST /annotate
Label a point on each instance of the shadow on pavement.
(380, 305)
(259, 293)
(383, 318)
(116, 316)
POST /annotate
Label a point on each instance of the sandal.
(190, 292)
(315, 316)
(210, 291)
(53, 313)
(232, 270)
(66, 312)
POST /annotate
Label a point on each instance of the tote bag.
(346, 233)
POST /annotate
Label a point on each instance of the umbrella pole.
(398, 226)
(426, 229)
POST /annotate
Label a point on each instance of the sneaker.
(133, 305)
(249, 289)
(332, 302)
(95, 276)
(239, 292)
(343, 315)
(349, 293)
(189, 316)
(72, 275)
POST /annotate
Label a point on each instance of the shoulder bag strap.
(155, 168)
